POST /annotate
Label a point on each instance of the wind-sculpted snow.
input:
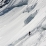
(30, 8)
(30, 17)
(10, 6)
(22, 22)
(22, 2)
(27, 37)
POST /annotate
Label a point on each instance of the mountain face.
(22, 22)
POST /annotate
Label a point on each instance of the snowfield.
(23, 23)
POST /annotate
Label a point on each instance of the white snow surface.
(23, 25)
